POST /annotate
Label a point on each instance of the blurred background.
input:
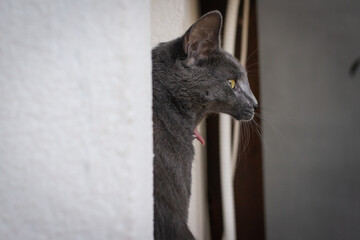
(76, 129)
(300, 180)
(308, 57)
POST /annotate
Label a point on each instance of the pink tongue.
(199, 137)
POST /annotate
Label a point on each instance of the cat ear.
(203, 37)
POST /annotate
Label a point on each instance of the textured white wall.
(167, 20)
(75, 120)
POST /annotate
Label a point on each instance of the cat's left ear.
(203, 37)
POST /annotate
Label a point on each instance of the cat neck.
(172, 115)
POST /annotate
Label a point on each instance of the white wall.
(75, 120)
(167, 20)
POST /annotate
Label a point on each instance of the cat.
(192, 77)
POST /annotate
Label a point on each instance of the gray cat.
(192, 76)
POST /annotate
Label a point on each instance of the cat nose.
(253, 102)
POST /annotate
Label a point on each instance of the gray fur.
(190, 80)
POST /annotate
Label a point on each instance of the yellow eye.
(232, 83)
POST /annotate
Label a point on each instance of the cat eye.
(232, 83)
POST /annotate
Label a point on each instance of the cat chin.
(247, 119)
(243, 119)
(244, 116)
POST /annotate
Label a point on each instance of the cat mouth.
(198, 137)
(244, 115)
(248, 114)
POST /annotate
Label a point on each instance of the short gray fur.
(190, 80)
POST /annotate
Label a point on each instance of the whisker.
(279, 112)
(268, 108)
(252, 71)
(276, 130)
(251, 75)
(252, 54)
(258, 131)
(265, 106)
(239, 148)
(248, 67)
(246, 144)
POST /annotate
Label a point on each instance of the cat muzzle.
(248, 114)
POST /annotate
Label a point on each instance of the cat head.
(222, 79)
